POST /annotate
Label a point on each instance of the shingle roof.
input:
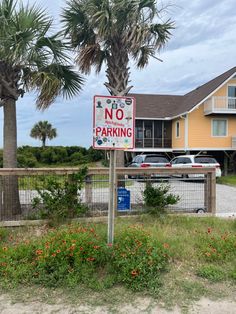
(164, 106)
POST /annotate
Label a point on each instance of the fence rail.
(195, 186)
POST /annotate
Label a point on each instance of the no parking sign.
(113, 122)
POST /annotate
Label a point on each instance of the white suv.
(196, 161)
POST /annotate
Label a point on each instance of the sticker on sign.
(113, 122)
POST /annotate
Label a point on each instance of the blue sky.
(202, 46)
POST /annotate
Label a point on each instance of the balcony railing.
(220, 105)
(153, 142)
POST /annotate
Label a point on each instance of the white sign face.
(113, 122)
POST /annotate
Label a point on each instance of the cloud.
(202, 46)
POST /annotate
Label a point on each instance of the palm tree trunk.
(43, 142)
(11, 201)
(118, 78)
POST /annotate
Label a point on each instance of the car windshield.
(205, 160)
(156, 159)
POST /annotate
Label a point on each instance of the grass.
(192, 273)
(228, 180)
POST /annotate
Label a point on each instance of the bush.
(26, 161)
(139, 261)
(79, 254)
(218, 248)
(157, 198)
(60, 199)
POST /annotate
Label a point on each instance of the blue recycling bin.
(123, 199)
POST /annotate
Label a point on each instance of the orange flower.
(58, 251)
(53, 254)
(5, 248)
(134, 273)
(96, 247)
(90, 259)
(166, 245)
(208, 254)
(209, 230)
(39, 252)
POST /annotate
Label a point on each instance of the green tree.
(31, 59)
(43, 130)
(112, 32)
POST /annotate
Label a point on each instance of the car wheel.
(200, 211)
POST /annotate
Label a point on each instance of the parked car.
(149, 160)
(196, 161)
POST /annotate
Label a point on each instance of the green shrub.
(139, 261)
(218, 248)
(26, 161)
(78, 158)
(157, 198)
(79, 254)
(211, 272)
(60, 199)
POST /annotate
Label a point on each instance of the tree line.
(33, 157)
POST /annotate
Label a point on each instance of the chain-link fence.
(37, 193)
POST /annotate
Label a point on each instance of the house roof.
(169, 106)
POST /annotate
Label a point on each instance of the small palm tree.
(113, 32)
(43, 130)
(31, 58)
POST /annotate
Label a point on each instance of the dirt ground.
(142, 305)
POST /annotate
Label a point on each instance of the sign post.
(113, 129)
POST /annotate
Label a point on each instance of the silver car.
(149, 160)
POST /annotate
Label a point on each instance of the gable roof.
(169, 106)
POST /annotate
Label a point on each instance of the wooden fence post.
(88, 190)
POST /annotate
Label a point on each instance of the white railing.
(220, 104)
(234, 141)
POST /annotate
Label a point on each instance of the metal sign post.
(112, 197)
(113, 129)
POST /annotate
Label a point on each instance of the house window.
(177, 131)
(219, 127)
(232, 97)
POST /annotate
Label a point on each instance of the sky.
(202, 47)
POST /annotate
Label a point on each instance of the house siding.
(200, 130)
(222, 92)
(178, 142)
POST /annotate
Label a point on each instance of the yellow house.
(201, 120)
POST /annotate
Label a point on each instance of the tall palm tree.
(43, 130)
(31, 58)
(112, 32)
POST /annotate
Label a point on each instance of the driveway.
(225, 200)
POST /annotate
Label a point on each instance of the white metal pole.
(112, 196)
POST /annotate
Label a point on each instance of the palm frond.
(52, 81)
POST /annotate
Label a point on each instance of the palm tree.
(43, 130)
(112, 32)
(31, 58)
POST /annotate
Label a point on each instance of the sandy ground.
(142, 305)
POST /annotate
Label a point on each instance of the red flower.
(39, 252)
(166, 245)
(96, 247)
(134, 273)
(58, 251)
(53, 254)
(209, 230)
(90, 259)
